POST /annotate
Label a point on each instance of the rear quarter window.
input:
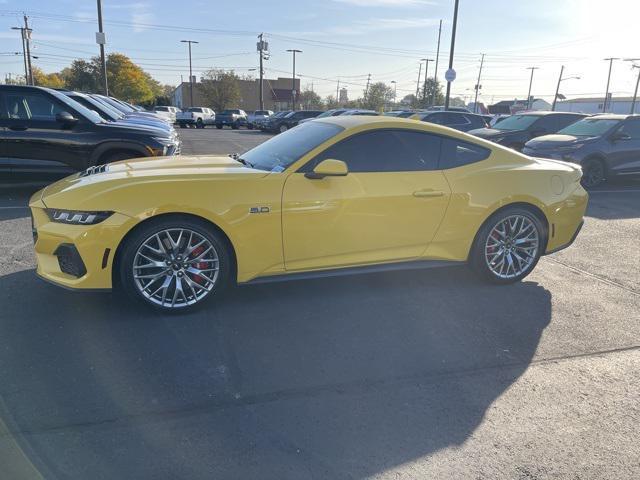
(457, 153)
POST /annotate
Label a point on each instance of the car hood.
(97, 182)
(546, 142)
(146, 129)
(490, 133)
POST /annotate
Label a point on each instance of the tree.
(310, 100)
(379, 95)
(432, 86)
(457, 102)
(330, 102)
(51, 80)
(409, 100)
(220, 89)
(81, 76)
(128, 81)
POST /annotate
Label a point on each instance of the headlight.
(74, 217)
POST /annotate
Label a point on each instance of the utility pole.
(533, 69)
(262, 48)
(419, 75)
(26, 32)
(189, 42)
(635, 92)
(426, 76)
(24, 54)
(451, 50)
(606, 95)
(475, 102)
(435, 75)
(555, 99)
(366, 90)
(101, 40)
(338, 93)
(293, 88)
(395, 92)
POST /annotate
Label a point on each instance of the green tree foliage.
(432, 86)
(379, 95)
(309, 100)
(126, 79)
(220, 89)
(51, 80)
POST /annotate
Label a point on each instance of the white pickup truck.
(167, 112)
(197, 117)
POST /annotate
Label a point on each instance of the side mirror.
(328, 168)
(66, 118)
(620, 136)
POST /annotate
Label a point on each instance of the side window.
(456, 119)
(384, 151)
(631, 128)
(547, 123)
(437, 118)
(457, 153)
(31, 106)
(475, 121)
(565, 121)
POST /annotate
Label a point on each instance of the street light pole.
(453, 45)
(426, 76)
(475, 102)
(419, 75)
(635, 92)
(100, 38)
(533, 69)
(555, 98)
(189, 42)
(435, 75)
(606, 95)
(395, 93)
(293, 89)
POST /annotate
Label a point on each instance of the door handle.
(18, 127)
(428, 193)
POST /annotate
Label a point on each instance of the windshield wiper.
(237, 158)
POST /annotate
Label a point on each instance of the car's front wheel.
(283, 128)
(508, 246)
(593, 173)
(174, 263)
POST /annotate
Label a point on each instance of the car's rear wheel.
(175, 263)
(199, 123)
(508, 246)
(594, 173)
(283, 128)
(219, 127)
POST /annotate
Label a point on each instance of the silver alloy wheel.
(176, 267)
(512, 246)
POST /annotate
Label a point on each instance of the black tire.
(250, 126)
(235, 126)
(182, 125)
(134, 241)
(594, 173)
(477, 258)
(199, 123)
(283, 128)
(117, 156)
(219, 127)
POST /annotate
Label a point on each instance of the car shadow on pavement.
(332, 378)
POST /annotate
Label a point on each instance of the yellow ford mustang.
(331, 196)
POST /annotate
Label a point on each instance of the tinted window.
(590, 127)
(456, 153)
(631, 128)
(455, 119)
(564, 120)
(517, 122)
(281, 151)
(162, 109)
(31, 106)
(476, 121)
(384, 151)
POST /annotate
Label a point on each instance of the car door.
(5, 164)
(387, 208)
(625, 148)
(35, 142)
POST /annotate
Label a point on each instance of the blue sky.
(346, 40)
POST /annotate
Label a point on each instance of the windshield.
(517, 122)
(84, 111)
(116, 105)
(100, 110)
(589, 127)
(288, 147)
(261, 112)
(162, 109)
(194, 109)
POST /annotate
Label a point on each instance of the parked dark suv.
(45, 132)
(457, 120)
(282, 124)
(516, 130)
(605, 146)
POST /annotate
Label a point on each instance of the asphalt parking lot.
(423, 374)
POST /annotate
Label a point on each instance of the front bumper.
(76, 256)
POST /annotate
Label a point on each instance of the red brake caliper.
(200, 265)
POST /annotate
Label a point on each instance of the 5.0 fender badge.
(259, 210)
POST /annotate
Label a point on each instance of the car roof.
(541, 113)
(613, 116)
